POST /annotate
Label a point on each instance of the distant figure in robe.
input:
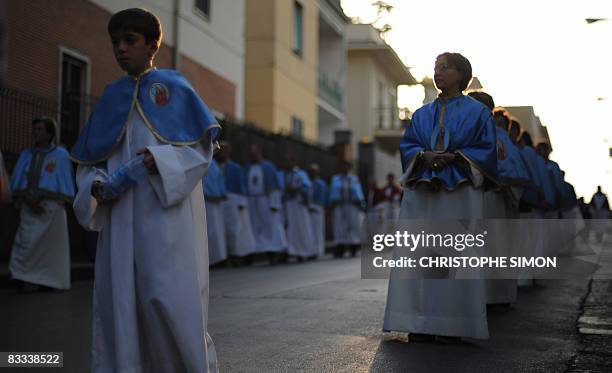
(347, 204)
(215, 194)
(318, 204)
(265, 205)
(42, 184)
(238, 232)
(296, 199)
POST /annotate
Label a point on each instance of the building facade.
(282, 66)
(331, 101)
(374, 73)
(59, 63)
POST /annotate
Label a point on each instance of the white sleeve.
(180, 169)
(86, 209)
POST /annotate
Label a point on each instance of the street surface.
(321, 317)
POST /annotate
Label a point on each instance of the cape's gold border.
(136, 104)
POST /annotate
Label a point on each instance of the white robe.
(438, 306)
(317, 221)
(347, 219)
(499, 291)
(150, 301)
(267, 225)
(299, 229)
(215, 223)
(238, 233)
(41, 249)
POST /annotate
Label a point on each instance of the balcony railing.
(330, 91)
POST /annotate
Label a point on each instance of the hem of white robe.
(40, 281)
(442, 326)
(501, 291)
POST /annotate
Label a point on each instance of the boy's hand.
(96, 186)
(149, 161)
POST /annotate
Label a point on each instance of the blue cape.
(335, 190)
(511, 167)
(169, 106)
(234, 178)
(541, 193)
(271, 181)
(471, 130)
(319, 192)
(568, 196)
(301, 183)
(556, 179)
(44, 173)
(214, 182)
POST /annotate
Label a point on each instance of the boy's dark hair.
(503, 113)
(49, 125)
(463, 66)
(484, 98)
(526, 137)
(137, 20)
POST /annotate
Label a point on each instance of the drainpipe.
(175, 34)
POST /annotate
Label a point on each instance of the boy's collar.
(147, 70)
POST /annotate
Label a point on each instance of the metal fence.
(18, 108)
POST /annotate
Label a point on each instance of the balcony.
(330, 92)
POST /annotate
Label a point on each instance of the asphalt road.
(319, 317)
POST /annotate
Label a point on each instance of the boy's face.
(40, 134)
(132, 52)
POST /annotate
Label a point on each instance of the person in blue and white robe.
(215, 194)
(265, 205)
(502, 202)
(347, 203)
(318, 203)
(150, 297)
(296, 200)
(238, 232)
(42, 184)
(449, 159)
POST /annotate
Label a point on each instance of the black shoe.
(442, 339)
(421, 338)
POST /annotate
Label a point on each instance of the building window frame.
(297, 43)
(86, 92)
(205, 11)
(297, 127)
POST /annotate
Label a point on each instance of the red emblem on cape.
(159, 94)
(50, 167)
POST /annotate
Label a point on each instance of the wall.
(216, 43)
(280, 84)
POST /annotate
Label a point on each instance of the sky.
(539, 53)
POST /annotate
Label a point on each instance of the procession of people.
(167, 205)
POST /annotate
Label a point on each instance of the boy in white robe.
(150, 301)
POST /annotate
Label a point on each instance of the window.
(73, 97)
(203, 6)
(298, 35)
(297, 127)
